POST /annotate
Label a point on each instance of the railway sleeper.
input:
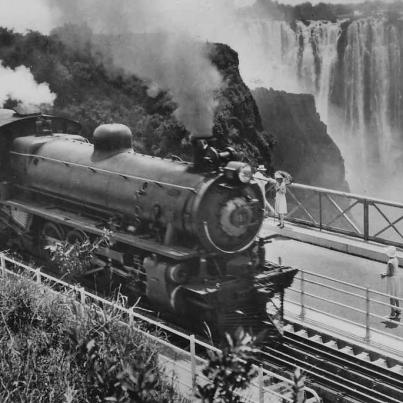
(331, 386)
(381, 359)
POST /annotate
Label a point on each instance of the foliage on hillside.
(91, 90)
(51, 351)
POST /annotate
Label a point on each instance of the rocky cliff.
(238, 123)
(303, 147)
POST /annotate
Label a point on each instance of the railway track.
(337, 376)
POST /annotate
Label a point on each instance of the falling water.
(354, 70)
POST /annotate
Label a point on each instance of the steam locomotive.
(184, 234)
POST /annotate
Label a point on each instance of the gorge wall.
(303, 146)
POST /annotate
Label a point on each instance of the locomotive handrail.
(106, 171)
(83, 294)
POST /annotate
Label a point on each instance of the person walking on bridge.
(392, 281)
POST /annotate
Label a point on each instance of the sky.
(34, 14)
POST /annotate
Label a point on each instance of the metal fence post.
(38, 276)
(3, 264)
(261, 384)
(320, 211)
(193, 362)
(367, 316)
(82, 295)
(366, 220)
(302, 295)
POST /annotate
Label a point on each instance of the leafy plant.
(298, 386)
(58, 352)
(118, 366)
(75, 259)
(229, 370)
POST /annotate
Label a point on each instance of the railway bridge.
(338, 300)
(336, 326)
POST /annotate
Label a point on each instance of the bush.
(73, 260)
(51, 350)
(229, 370)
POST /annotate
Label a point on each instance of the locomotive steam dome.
(112, 138)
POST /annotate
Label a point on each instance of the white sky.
(295, 2)
(25, 14)
(34, 14)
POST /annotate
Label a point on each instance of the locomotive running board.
(86, 224)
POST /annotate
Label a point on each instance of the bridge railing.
(356, 215)
(364, 308)
(183, 365)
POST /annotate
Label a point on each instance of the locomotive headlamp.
(238, 171)
(245, 173)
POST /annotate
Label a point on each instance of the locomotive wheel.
(75, 236)
(52, 233)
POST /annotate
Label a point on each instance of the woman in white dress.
(392, 281)
(280, 205)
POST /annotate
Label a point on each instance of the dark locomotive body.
(184, 234)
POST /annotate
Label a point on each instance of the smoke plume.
(20, 85)
(169, 59)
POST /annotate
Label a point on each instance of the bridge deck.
(326, 239)
(341, 258)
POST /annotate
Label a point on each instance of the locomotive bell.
(111, 139)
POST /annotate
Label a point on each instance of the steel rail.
(369, 371)
(339, 382)
(326, 378)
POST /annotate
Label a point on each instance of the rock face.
(237, 122)
(303, 148)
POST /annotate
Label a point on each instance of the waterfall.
(353, 68)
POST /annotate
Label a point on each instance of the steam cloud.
(171, 61)
(20, 85)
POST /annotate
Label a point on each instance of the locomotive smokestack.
(199, 149)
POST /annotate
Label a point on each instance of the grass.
(52, 350)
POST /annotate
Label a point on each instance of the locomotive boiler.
(184, 234)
